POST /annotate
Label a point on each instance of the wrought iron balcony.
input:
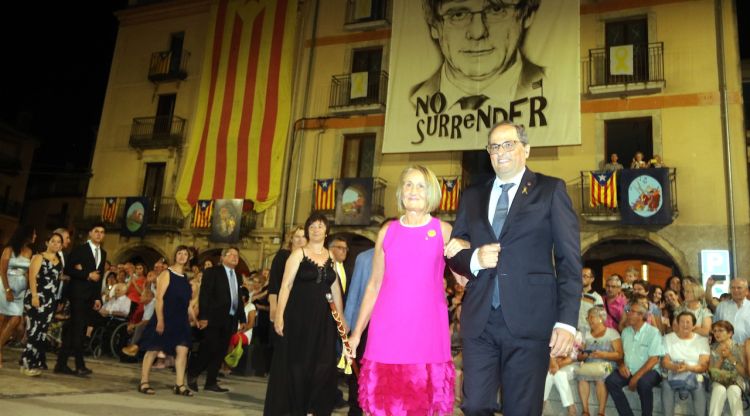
(163, 214)
(601, 213)
(647, 72)
(373, 202)
(168, 66)
(367, 96)
(367, 14)
(248, 222)
(157, 132)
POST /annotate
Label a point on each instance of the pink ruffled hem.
(406, 389)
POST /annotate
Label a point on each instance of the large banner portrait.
(135, 217)
(225, 224)
(457, 67)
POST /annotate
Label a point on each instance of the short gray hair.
(613, 278)
(598, 311)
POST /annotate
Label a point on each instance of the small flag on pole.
(109, 210)
(325, 194)
(450, 190)
(202, 213)
(603, 189)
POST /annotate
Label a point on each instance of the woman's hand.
(353, 344)
(454, 246)
(159, 327)
(35, 301)
(278, 325)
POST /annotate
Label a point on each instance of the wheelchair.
(110, 336)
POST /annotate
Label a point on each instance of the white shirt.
(119, 305)
(94, 247)
(249, 333)
(148, 310)
(686, 350)
(738, 317)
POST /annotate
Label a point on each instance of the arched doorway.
(616, 255)
(140, 254)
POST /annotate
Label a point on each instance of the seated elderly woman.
(693, 293)
(686, 360)
(602, 349)
(726, 370)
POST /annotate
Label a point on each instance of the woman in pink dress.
(407, 367)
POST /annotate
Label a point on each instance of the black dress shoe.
(83, 372)
(64, 370)
(192, 384)
(215, 388)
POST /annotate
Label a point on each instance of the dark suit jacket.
(530, 73)
(80, 288)
(216, 298)
(539, 263)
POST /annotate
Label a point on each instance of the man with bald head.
(736, 310)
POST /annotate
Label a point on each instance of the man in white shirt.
(736, 311)
(119, 304)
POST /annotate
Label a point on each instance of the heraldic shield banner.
(645, 196)
(460, 66)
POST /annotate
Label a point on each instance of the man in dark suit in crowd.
(219, 310)
(85, 266)
(524, 270)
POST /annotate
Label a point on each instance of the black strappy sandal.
(147, 389)
(182, 390)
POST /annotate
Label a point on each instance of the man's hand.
(454, 246)
(561, 343)
(460, 279)
(633, 383)
(94, 276)
(488, 255)
(97, 305)
(623, 369)
(202, 323)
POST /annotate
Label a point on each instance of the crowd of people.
(433, 315)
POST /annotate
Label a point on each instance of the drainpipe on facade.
(726, 136)
(298, 124)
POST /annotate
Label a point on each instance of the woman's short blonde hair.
(290, 236)
(432, 188)
(690, 284)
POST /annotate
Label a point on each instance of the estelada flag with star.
(603, 189)
(109, 210)
(202, 213)
(449, 192)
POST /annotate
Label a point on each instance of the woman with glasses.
(726, 370)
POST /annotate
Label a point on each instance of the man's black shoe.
(215, 388)
(83, 372)
(192, 384)
(64, 370)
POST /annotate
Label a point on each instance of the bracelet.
(7, 289)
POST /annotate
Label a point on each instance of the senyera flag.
(237, 144)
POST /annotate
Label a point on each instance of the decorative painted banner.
(135, 220)
(227, 217)
(645, 197)
(460, 66)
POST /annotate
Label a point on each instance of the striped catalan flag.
(450, 190)
(325, 194)
(603, 189)
(109, 210)
(237, 144)
(202, 213)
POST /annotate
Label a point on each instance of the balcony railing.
(369, 97)
(163, 215)
(248, 222)
(157, 132)
(367, 14)
(10, 207)
(168, 66)
(602, 213)
(647, 71)
(376, 200)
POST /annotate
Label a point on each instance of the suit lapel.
(527, 185)
(484, 202)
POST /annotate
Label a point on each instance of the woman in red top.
(137, 283)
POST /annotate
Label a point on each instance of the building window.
(359, 156)
(633, 32)
(366, 10)
(626, 137)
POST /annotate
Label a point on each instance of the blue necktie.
(501, 211)
(233, 290)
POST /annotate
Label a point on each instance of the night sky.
(54, 88)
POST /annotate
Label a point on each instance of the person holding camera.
(602, 348)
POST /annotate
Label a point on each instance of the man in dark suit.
(524, 269)
(219, 310)
(85, 266)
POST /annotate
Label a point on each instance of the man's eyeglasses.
(341, 247)
(508, 146)
(493, 13)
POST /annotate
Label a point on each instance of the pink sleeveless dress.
(407, 367)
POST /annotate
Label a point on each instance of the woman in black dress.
(303, 372)
(169, 327)
(39, 305)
